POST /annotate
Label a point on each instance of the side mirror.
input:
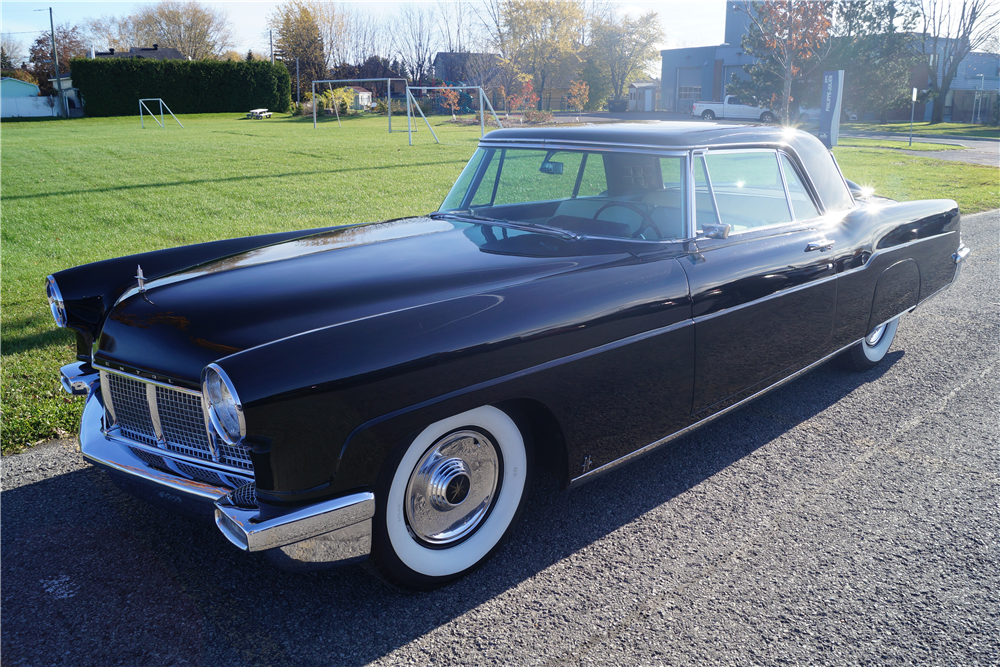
(716, 231)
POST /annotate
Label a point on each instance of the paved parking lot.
(843, 519)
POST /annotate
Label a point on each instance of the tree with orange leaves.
(449, 100)
(788, 38)
(578, 94)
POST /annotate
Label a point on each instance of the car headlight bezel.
(225, 411)
(56, 304)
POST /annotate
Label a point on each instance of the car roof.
(666, 134)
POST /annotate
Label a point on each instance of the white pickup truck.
(731, 109)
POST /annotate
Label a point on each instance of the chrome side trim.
(239, 526)
(882, 251)
(775, 295)
(158, 383)
(519, 374)
(608, 467)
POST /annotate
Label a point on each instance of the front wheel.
(708, 115)
(870, 350)
(767, 117)
(447, 501)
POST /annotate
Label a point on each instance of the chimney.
(111, 51)
(156, 46)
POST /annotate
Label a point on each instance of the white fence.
(26, 107)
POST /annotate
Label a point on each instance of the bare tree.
(13, 50)
(951, 31)
(198, 31)
(414, 40)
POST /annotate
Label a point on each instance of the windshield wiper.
(513, 224)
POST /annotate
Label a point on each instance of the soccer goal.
(163, 105)
(330, 82)
(411, 103)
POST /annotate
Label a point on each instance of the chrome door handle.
(822, 245)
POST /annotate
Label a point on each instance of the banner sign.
(829, 107)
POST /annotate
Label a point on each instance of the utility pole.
(270, 39)
(63, 110)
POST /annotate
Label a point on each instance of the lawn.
(855, 142)
(922, 128)
(87, 189)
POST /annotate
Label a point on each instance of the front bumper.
(317, 536)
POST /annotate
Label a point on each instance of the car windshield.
(609, 194)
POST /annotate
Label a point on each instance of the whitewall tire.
(448, 500)
(871, 350)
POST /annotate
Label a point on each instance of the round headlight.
(56, 304)
(223, 404)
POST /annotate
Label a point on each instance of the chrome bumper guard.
(310, 538)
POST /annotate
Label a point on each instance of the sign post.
(829, 110)
(913, 105)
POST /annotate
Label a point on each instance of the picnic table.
(258, 113)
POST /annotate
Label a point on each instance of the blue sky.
(686, 22)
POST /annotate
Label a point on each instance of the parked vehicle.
(583, 296)
(731, 109)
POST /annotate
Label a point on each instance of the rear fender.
(897, 290)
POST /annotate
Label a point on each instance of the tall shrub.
(113, 87)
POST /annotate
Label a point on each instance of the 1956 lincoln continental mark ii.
(583, 296)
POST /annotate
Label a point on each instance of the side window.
(705, 207)
(802, 203)
(748, 189)
(520, 180)
(595, 181)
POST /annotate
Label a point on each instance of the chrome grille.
(182, 421)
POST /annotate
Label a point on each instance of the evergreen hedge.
(113, 87)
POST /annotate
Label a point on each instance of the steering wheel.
(647, 222)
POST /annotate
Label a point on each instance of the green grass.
(88, 189)
(83, 190)
(952, 129)
(906, 177)
(854, 142)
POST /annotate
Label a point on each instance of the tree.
(947, 39)
(598, 82)
(624, 47)
(873, 46)
(69, 43)
(449, 100)
(11, 51)
(298, 36)
(414, 40)
(541, 37)
(198, 31)
(578, 94)
(788, 39)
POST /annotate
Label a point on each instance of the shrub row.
(113, 87)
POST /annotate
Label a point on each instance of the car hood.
(185, 320)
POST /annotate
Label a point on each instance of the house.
(362, 98)
(973, 91)
(19, 99)
(644, 95)
(138, 52)
(73, 101)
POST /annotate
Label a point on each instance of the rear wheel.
(871, 350)
(448, 500)
(767, 117)
(708, 115)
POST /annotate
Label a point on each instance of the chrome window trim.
(690, 196)
(617, 463)
(711, 191)
(811, 190)
(586, 147)
(784, 184)
(843, 179)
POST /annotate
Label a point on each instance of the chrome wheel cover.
(875, 336)
(452, 488)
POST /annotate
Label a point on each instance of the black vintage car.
(583, 296)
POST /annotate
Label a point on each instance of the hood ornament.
(141, 278)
